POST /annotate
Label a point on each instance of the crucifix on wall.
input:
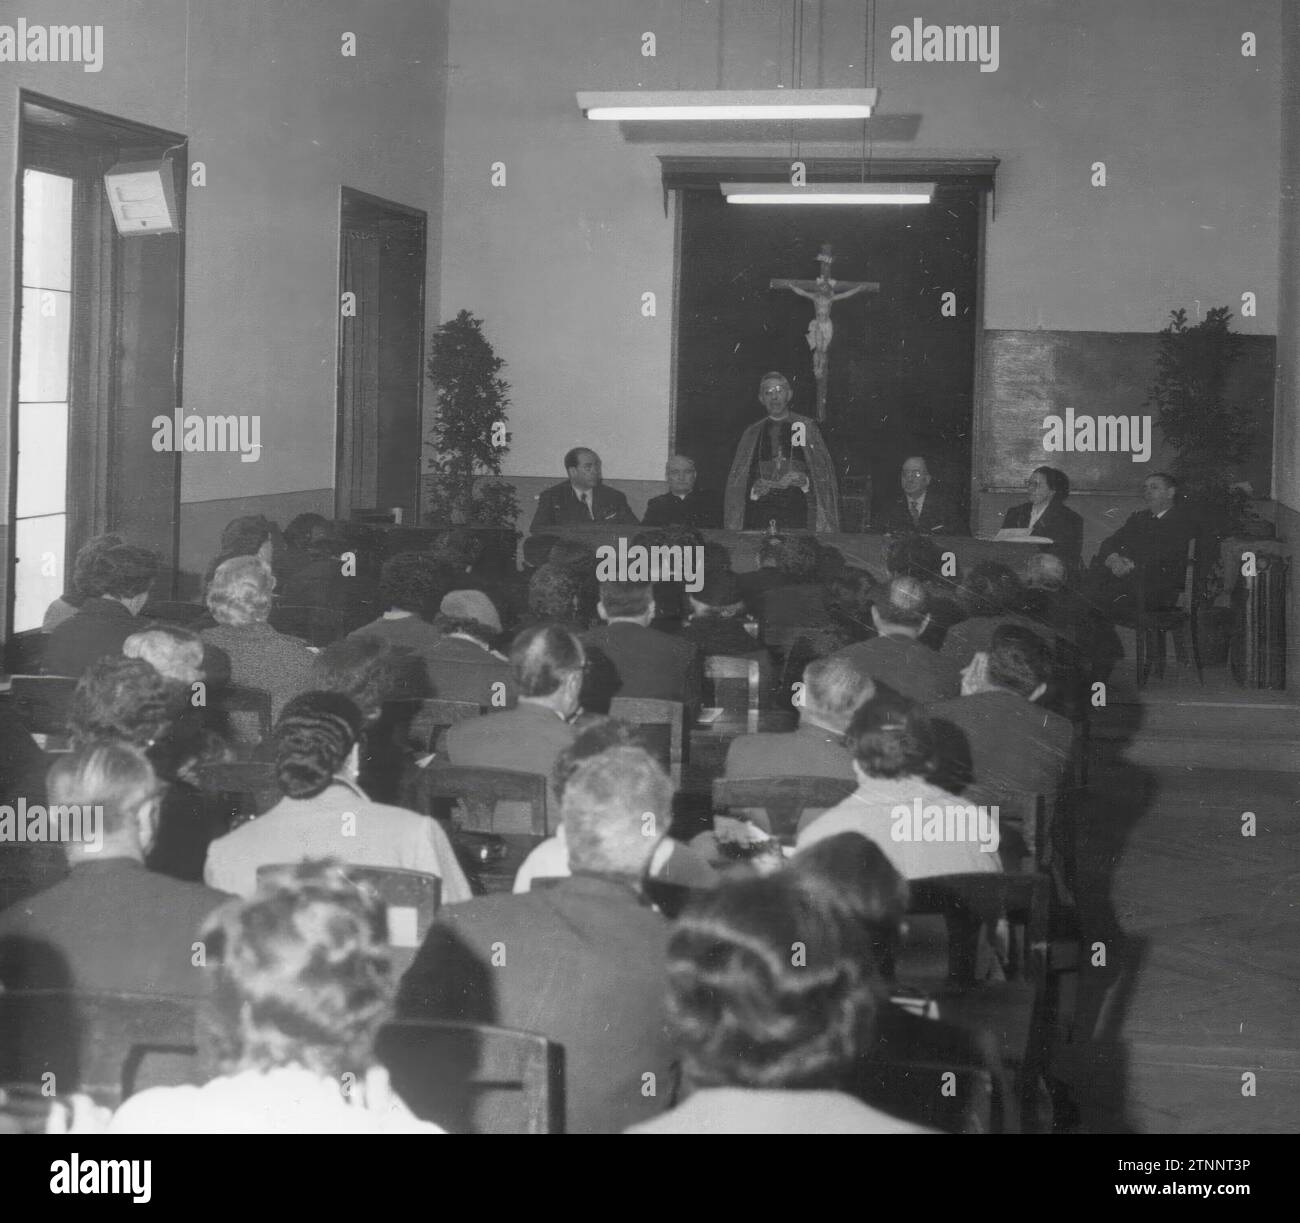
(823, 293)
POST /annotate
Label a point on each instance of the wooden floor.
(1200, 924)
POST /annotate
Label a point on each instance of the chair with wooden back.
(1180, 622)
(235, 792)
(781, 801)
(975, 909)
(91, 1042)
(723, 670)
(42, 702)
(247, 709)
(472, 1078)
(317, 626)
(668, 741)
(423, 721)
(24, 652)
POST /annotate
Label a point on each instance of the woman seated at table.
(324, 814)
(769, 1038)
(301, 987)
(1046, 514)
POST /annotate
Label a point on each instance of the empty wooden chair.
(471, 1078)
(778, 802)
(669, 741)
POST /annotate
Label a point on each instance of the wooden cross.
(823, 293)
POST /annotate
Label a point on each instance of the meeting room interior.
(676, 566)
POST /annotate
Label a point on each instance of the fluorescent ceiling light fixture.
(828, 193)
(680, 104)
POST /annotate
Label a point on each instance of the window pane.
(38, 573)
(42, 459)
(43, 357)
(47, 230)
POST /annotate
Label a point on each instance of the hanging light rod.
(828, 193)
(730, 104)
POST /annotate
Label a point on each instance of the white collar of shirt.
(1161, 514)
(918, 500)
(398, 615)
(1037, 511)
(475, 640)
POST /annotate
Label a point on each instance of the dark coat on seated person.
(1058, 523)
(584, 965)
(1009, 744)
(464, 670)
(111, 926)
(99, 628)
(1158, 547)
(559, 506)
(967, 638)
(939, 516)
(628, 659)
(696, 509)
(907, 666)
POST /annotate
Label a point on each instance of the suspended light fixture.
(728, 104)
(828, 193)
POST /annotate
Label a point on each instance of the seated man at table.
(919, 510)
(1004, 738)
(582, 498)
(897, 657)
(547, 662)
(833, 689)
(629, 658)
(581, 962)
(683, 505)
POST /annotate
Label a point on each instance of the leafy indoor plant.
(468, 439)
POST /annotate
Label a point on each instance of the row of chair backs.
(478, 791)
(663, 724)
(783, 800)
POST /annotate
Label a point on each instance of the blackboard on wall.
(1032, 374)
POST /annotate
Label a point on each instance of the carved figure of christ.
(823, 293)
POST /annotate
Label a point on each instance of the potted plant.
(468, 439)
(1213, 436)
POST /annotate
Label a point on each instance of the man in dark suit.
(683, 504)
(1148, 552)
(111, 925)
(1004, 739)
(581, 962)
(547, 662)
(896, 657)
(582, 497)
(626, 657)
(118, 587)
(918, 509)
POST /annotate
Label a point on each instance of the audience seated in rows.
(239, 598)
(411, 588)
(1004, 739)
(631, 659)
(769, 1039)
(716, 624)
(581, 962)
(765, 575)
(117, 582)
(334, 574)
(555, 596)
(113, 924)
(252, 535)
(991, 595)
(300, 988)
(918, 556)
(897, 657)
(325, 814)
(463, 666)
(895, 760)
(83, 565)
(672, 862)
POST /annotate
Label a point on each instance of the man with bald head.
(782, 471)
(920, 509)
(683, 504)
(897, 657)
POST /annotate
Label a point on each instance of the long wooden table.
(861, 551)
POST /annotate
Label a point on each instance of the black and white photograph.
(711, 567)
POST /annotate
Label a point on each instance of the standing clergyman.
(782, 470)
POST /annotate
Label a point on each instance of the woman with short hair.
(1046, 514)
(301, 985)
(770, 1003)
(325, 814)
(239, 598)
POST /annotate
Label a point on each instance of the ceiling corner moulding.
(728, 104)
(828, 193)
